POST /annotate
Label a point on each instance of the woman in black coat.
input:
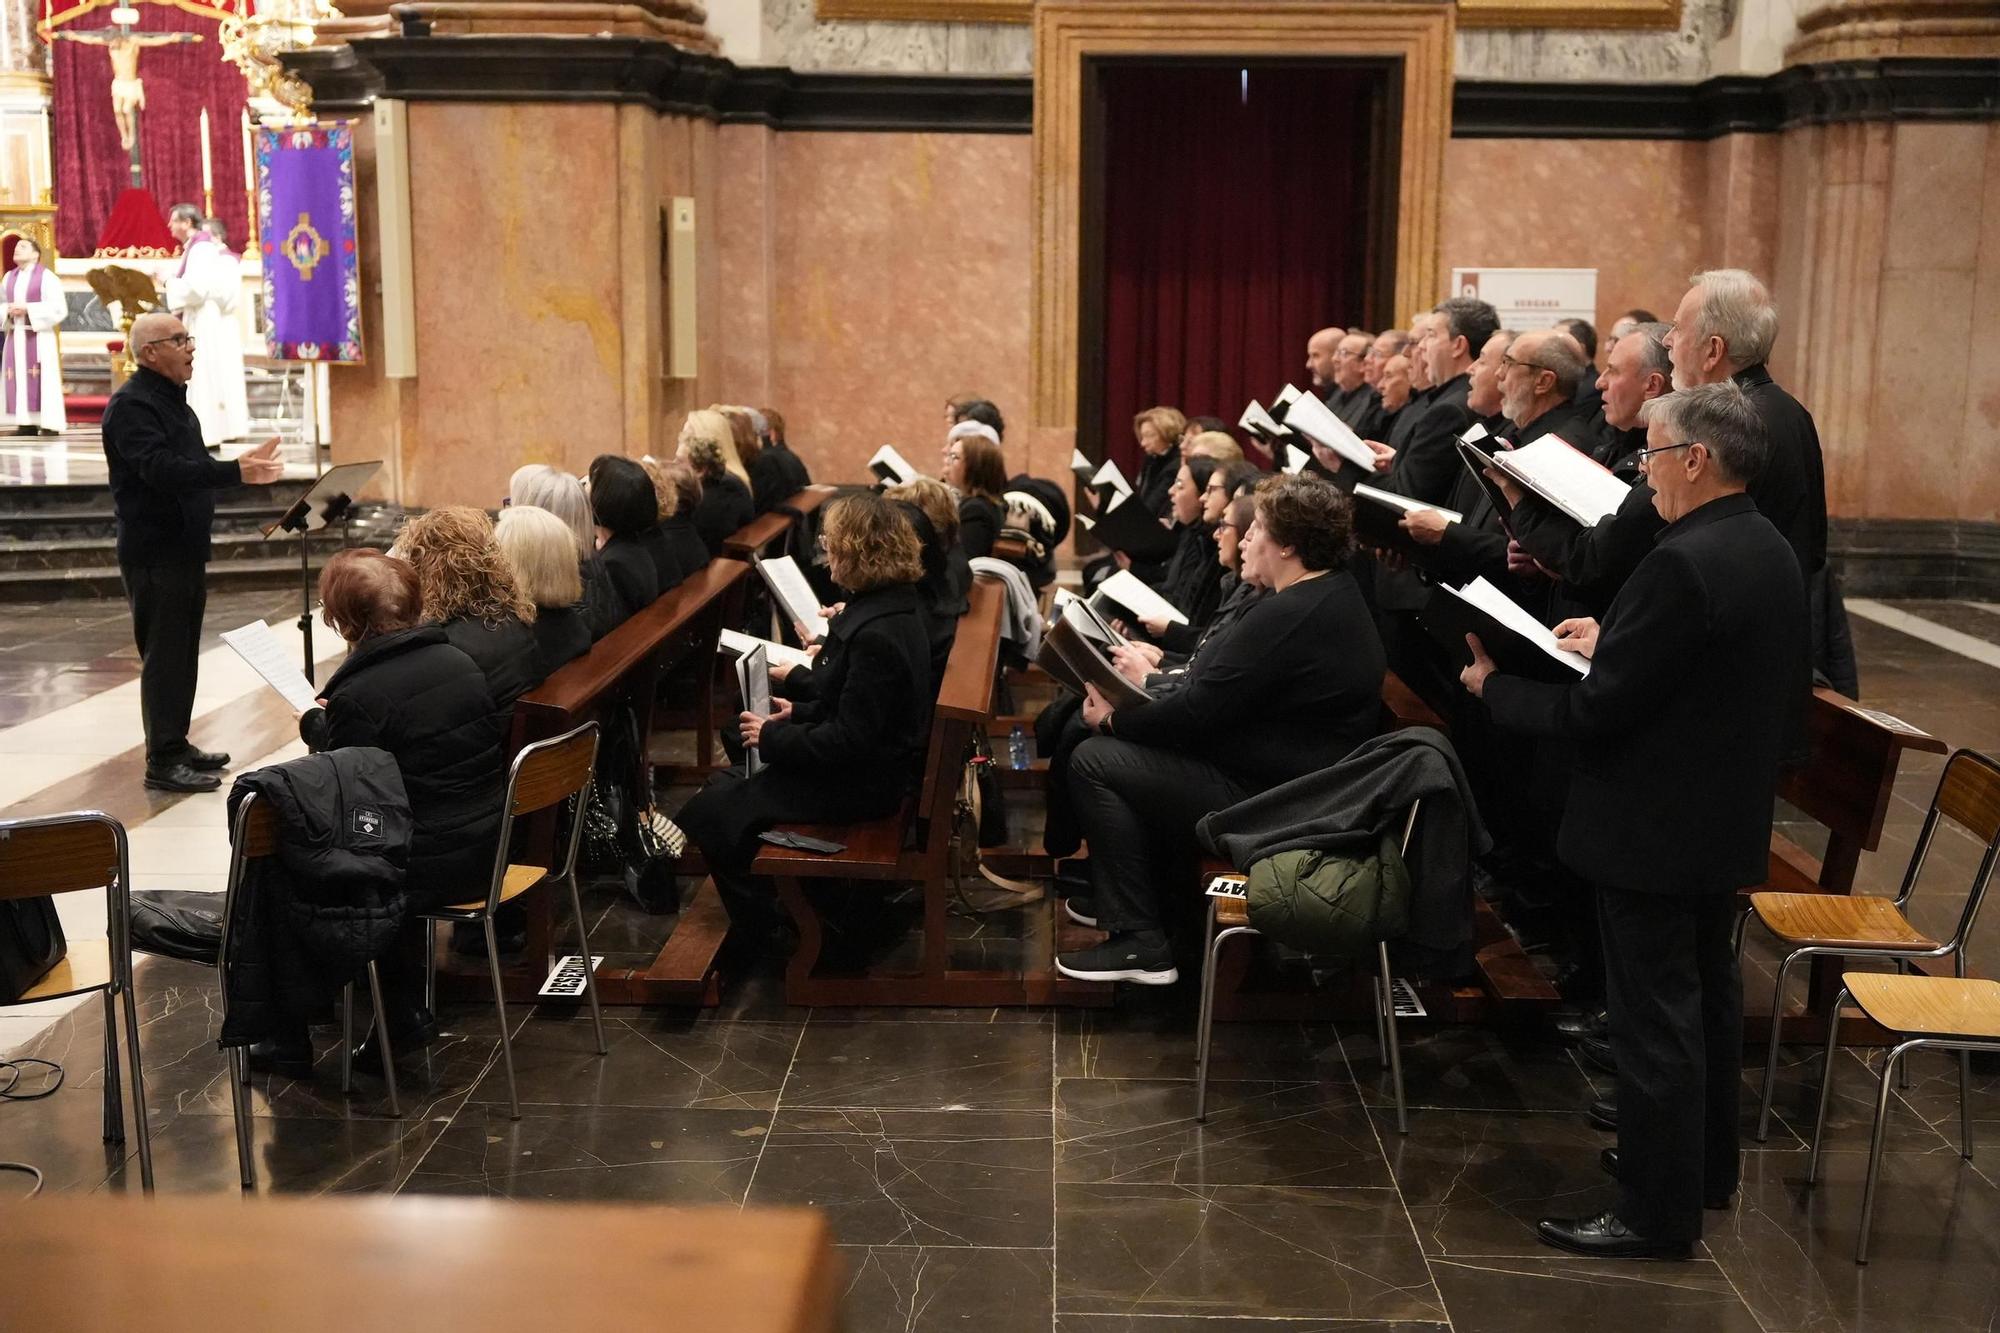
(708, 445)
(624, 506)
(405, 689)
(561, 494)
(1189, 580)
(470, 591)
(975, 468)
(542, 554)
(852, 752)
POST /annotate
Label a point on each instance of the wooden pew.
(764, 535)
(623, 667)
(807, 500)
(914, 847)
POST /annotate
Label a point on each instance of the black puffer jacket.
(425, 702)
(331, 900)
(505, 654)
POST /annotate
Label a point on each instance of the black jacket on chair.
(163, 482)
(725, 507)
(329, 902)
(1696, 693)
(413, 694)
(635, 579)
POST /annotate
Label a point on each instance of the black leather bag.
(31, 944)
(178, 923)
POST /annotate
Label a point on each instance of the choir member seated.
(625, 507)
(708, 445)
(1290, 689)
(561, 494)
(776, 474)
(689, 549)
(667, 567)
(853, 751)
(470, 590)
(976, 470)
(542, 554)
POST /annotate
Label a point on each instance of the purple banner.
(312, 270)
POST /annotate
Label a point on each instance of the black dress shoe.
(1608, 1159)
(1577, 1026)
(208, 761)
(1605, 1237)
(1597, 1052)
(412, 1033)
(1603, 1114)
(181, 777)
(292, 1059)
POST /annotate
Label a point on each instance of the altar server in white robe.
(31, 390)
(203, 292)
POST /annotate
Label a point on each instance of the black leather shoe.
(292, 1059)
(1605, 1237)
(1608, 1159)
(1577, 1026)
(207, 761)
(414, 1033)
(181, 777)
(1603, 1114)
(1597, 1053)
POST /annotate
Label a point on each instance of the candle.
(249, 185)
(207, 168)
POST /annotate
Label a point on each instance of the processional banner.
(312, 259)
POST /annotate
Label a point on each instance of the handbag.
(31, 944)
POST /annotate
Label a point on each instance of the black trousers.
(1676, 1010)
(1138, 807)
(167, 603)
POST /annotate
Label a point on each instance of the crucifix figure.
(123, 43)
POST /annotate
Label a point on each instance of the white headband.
(965, 428)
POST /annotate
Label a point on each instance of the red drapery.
(92, 170)
(1228, 212)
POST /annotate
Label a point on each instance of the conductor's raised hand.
(260, 464)
(1474, 676)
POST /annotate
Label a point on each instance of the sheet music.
(788, 584)
(1296, 459)
(1286, 396)
(1508, 612)
(1092, 625)
(753, 674)
(1402, 503)
(778, 654)
(279, 667)
(887, 459)
(1109, 475)
(1570, 480)
(1126, 589)
(1078, 463)
(1310, 417)
(1259, 422)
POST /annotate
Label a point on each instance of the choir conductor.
(163, 486)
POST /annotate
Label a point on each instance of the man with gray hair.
(1697, 690)
(1351, 398)
(1385, 346)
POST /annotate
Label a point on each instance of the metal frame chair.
(1938, 1013)
(545, 774)
(1383, 987)
(67, 853)
(1968, 791)
(253, 833)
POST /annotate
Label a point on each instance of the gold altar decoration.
(1664, 14)
(134, 295)
(252, 40)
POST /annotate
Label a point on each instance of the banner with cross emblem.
(312, 270)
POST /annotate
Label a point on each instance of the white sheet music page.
(1310, 417)
(778, 654)
(886, 457)
(1078, 463)
(1402, 504)
(1126, 589)
(789, 586)
(279, 666)
(1571, 480)
(1259, 422)
(1109, 475)
(1510, 613)
(1296, 459)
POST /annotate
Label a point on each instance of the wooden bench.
(804, 502)
(914, 847)
(622, 668)
(764, 535)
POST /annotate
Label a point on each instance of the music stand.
(329, 501)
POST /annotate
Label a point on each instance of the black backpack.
(31, 944)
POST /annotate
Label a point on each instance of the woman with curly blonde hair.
(708, 445)
(855, 748)
(470, 590)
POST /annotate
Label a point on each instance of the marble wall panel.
(902, 270)
(1911, 454)
(1934, 195)
(1979, 470)
(1742, 188)
(508, 303)
(746, 205)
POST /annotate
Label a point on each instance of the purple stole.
(31, 348)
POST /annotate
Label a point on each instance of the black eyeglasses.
(178, 340)
(1645, 454)
(1507, 360)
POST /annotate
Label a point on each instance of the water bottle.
(1017, 746)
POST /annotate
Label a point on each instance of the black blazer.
(603, 610)
(562, 634)
(667, 569)
(1427, 465)
(1361, 408)
(1190, 580)
(425, 702)
(1287, 690)
(163, 482)
(865, 727)
(1155, 480)
(690, 552)
(1477, 547)
(725, 507)
(1696, 694)
(635, 579)
(979, 521)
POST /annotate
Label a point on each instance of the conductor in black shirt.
(163, 486)
(1697, 689)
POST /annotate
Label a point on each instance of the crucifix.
(122, 42)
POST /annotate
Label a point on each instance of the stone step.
(42, 585)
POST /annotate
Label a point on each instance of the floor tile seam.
(398, 1185)
(1926, 631)
(777, 1107)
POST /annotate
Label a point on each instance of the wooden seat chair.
(1925, 1013)
(1866, 926)
(68, 853)
(1229, 918)
(547, 774)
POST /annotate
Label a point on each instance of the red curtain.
(91, 169)
(1232, 223)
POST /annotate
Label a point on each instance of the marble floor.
(1018, 1170)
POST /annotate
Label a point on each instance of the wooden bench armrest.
(758, 534)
